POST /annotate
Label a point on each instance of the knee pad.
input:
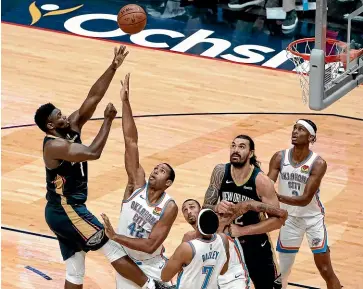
(113, 251)
(75, 268)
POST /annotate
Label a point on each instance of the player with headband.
(300, 172)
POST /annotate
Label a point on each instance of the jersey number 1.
(82, 172)
(207, 270)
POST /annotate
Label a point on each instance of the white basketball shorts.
(292, 234)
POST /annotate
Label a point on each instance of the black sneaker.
(161, 285)
(291, 20)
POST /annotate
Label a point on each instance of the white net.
(297, 51)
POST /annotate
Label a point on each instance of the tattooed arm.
(266, 192)
(243, 207)
(212, 194)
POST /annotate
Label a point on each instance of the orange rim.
(305, 56)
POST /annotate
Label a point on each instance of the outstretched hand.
(120, 55)
(124, 92)
(110, 232)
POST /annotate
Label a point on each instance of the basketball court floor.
(188, 110)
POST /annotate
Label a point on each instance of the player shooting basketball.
(77, 229)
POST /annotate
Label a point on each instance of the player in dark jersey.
(239, 181)
(78, 230)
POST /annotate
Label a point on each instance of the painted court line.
(212, 113)
(36, 271)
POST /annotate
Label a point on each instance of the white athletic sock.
(150, 284)
(286, 262)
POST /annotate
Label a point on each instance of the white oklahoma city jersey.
(209, 257)
(138, 217)
(236, 266)
(292, 182)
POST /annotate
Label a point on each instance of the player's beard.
(63, 131)
(239, 164)
(192, 221)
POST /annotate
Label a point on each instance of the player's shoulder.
(219, 167)
(219, 170)
(261, 177)
(55, 142)
(277, 156)
(170, 207)
(319, 163)
(189, 236)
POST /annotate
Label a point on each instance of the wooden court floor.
(46, 66)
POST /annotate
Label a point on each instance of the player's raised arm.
(97, 91)
(75, 152)
(135, 172)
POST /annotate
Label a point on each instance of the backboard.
(328, 68)
(327, 86)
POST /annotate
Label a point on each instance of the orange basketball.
(131, 19)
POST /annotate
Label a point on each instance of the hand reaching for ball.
(124, 92)
(120, 55)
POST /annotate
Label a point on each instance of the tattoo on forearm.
(271, 210)
(260, 207)
(211, 196)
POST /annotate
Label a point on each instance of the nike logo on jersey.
(238, 275)
(229, 182)
(285, 165)
(263, 244)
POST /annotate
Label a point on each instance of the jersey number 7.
(207, 270)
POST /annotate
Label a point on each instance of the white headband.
(307, 126)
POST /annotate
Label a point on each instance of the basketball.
(131, 19)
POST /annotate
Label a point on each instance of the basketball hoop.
(299, 52)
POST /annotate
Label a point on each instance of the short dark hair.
(315, 128)
(42, 114)
(187, 200)
(253, 159)
(172, 172)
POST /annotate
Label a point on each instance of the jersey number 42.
(136, 230)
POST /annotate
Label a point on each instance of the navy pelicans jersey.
(68, 182)
(138, 217)
(209, 257)
(234, 193)
(292, 182)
